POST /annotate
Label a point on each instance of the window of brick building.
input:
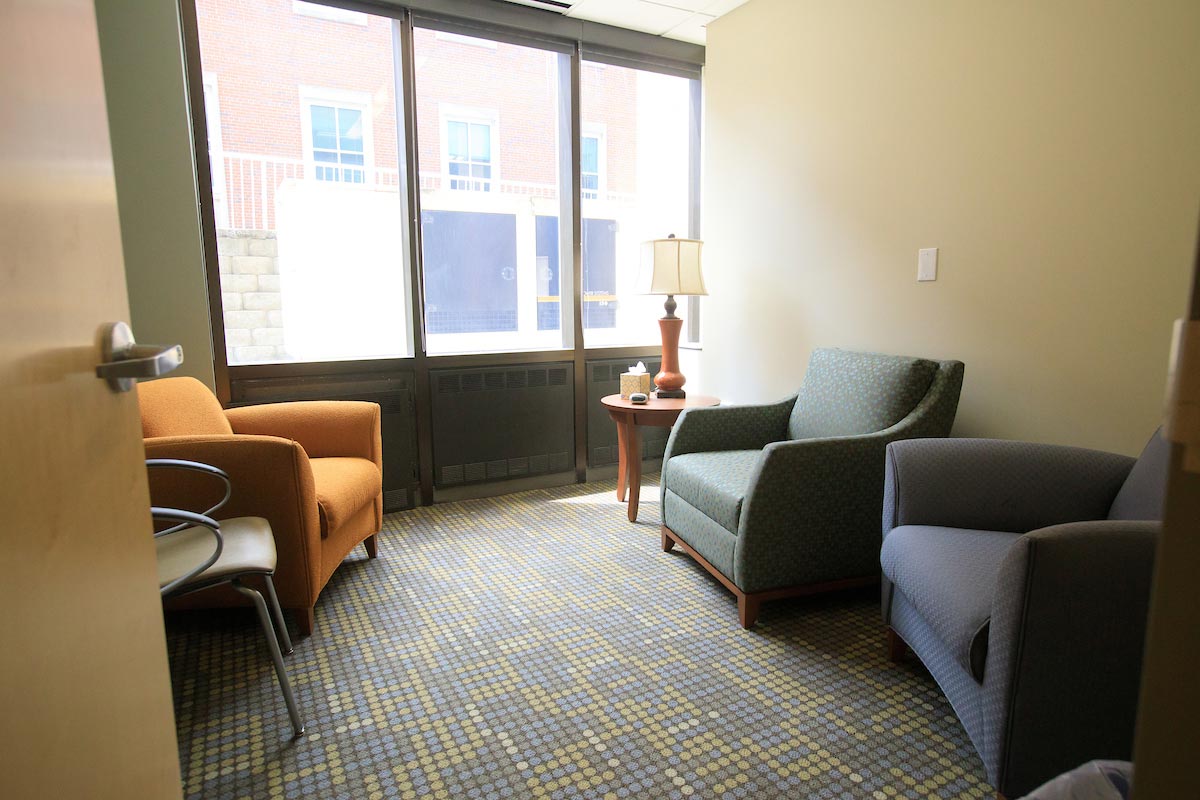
(337, 133)
(469, 156)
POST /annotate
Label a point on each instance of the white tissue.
(638, 369)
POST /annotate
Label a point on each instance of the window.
(490, 237)
(311, 251)
(313, 176)
(592, 157)
(337, 132)
(469, 155)
(331, 13)
(635, 184)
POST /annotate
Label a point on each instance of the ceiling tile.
(686, 5)
(692, 29)
(637, 15)
(718, 7)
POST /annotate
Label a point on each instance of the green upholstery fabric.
(771, 512)
(707, 537)
(715, 482)
(846, 393)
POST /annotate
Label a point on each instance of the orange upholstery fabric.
(344, 485)
(325, 428)
(274, 477)
(179, 407)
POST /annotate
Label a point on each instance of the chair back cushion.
(180, 407)
(1142, 494)
(846, 393)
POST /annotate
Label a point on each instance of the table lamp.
(671, 266)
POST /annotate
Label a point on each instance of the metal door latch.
(125, 361)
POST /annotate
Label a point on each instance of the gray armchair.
(1020, 575)
(783, 499)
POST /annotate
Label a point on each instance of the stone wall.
(249, 266)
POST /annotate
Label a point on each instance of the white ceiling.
(674, 19)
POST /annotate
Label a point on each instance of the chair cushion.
(1142, 494)
(249, 547)
(949, 576)
(846, 393)
(713, 483)
(180, 407)
(343, 486)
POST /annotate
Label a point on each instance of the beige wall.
(156, 187)
(1048, 149)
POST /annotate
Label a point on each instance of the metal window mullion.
(575, 148)
(407, 101)
(695, 101)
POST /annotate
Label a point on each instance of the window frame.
(337, 98)
(468, 115)
(599, 132)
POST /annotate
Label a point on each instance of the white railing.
(244, 187)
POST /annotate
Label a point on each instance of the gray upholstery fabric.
(715, 483)
(1068, 609)
(846, 393)
(1142, 495)
(809, 508)
(1070, 619)
(991, 484)
(949, 574)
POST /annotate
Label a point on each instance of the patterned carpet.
(539, 645)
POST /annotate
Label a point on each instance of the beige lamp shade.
(671, 266)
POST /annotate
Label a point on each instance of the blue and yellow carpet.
(540, 645)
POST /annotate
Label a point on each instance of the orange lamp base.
(670, 380)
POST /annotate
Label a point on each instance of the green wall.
(150, 126)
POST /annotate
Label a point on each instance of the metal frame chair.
(186, 530)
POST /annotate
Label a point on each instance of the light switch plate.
(927, 264)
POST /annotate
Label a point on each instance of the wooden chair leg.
(372, 545)
(668, 543)
(748, 606)
(304, 620)
(897, 648)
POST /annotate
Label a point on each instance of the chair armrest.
(322, 427)
(748, 427)
(271, 478)
(1065, 649)
(992, 484)
(812, 512)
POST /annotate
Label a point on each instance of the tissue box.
(631, 383)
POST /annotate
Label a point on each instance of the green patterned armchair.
(785, 499)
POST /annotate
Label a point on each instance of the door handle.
(126, 361)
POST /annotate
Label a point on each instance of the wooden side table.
(659, 413)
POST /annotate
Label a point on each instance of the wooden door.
(85, 696)
(1167, 745)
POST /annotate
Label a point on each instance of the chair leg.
(305, 617)
(372, 545)
(264, 619)
(668, 544)
(748, 606)
(277, 613)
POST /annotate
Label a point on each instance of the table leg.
(622, 464)
(633, 457)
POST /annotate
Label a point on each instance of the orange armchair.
(313, 469)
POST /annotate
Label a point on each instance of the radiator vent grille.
(497, 424)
